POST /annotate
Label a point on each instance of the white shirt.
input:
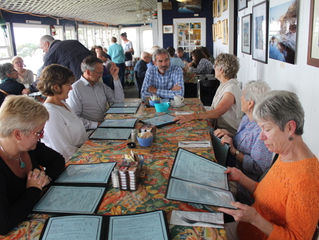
(229, 120)
(90, 103)
(64, 131)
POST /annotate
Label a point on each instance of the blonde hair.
(22, 113)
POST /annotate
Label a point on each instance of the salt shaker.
(133, 135)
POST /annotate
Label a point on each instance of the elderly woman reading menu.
(26, 165)
(64, 131)
(225, 108)
(287, 199)
(247, 151)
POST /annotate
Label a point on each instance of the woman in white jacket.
(64, 131)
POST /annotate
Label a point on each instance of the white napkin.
(194, 144)
(183, 113)
(215, 220)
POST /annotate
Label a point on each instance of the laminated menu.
(160, 121)
(78, 190)
(118, 123)
(199, 180)
(111, 134)
(144, 226)
(126, 105)
(122, 110)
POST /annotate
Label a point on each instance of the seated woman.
(248, 151)
(64, 131)
(225, 107)
(9, 84)
(25, 76)
(23, 158)
(287, 198)
(200, 64)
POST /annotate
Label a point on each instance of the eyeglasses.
(39, 134)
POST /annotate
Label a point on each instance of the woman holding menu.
(26, 165)
(225, 109)
(287, 199)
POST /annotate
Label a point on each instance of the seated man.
(162, 79)
(140, 70)
(68, 53)
(175, 61)
(89, 98)
(107, 63)
(182, 55)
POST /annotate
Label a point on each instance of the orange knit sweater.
(288, 197)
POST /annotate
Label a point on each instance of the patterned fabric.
(150, 195)
(175, 61)
(163, 83)
(257, 158)
(204, 67)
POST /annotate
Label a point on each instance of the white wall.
(300, 78)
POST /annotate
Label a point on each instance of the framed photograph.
(241, 4)
(246, 34)
(167, 29)
(313, 40)
(225, 5)
(225, 31)
(259, 32)
(283, 30)
(215, 13)
(219, 8)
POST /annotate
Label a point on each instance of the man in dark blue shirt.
(140, 70)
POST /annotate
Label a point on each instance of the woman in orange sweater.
(287, 199)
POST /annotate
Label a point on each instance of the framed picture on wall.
(225, 31)
(246, 34)
(241, 4)
(215, 8)
(219, 8)
(225, 5)
(259, 32)
(283, 30)
(313, 39)
(167, 29)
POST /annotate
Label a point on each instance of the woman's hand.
(37, 179)
(221, 132)
(184, 118)
(227, 140)
(234, 174)
(244, 213)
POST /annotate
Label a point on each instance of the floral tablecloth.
(150, 195)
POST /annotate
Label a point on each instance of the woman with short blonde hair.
(26, 165)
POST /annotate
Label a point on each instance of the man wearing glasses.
(90, 97)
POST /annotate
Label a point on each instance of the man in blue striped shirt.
(162, 79)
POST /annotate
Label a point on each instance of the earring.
(290, 138)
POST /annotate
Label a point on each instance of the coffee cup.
(178, 100)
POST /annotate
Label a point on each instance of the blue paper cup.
(145, 142)
(161, 107)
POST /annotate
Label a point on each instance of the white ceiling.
(112, 12)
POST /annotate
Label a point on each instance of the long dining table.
(150, 194)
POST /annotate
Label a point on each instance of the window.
(27, 39)
(59, 33)
(6, 52)
(70, 33)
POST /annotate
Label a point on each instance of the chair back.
(221, 150)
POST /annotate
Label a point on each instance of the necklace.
(21, 162)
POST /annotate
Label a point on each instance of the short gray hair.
(159, 52)
(22, 113)
(255, 91)
(5, 69)
(89, 63)
(47, 38)
(144, 54)
(280, 107)
(229, 63)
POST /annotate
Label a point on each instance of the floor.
(130, 92)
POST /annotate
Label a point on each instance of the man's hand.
(152, 89)
(114, 71)
(176, 88)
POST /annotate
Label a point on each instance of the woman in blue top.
(248, 151)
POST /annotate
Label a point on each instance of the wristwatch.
(236, 153)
